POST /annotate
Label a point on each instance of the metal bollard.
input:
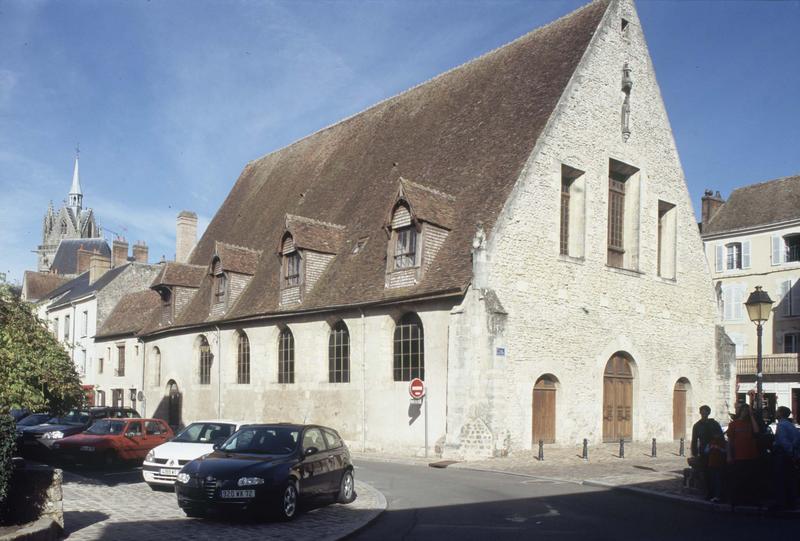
(541, 450)
(585, 449)
(622, 447)
(681, 450)
(653, 452)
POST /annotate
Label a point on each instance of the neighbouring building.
(517, 232)
(753, 239)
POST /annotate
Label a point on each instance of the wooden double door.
(618, 399)
(544, 411)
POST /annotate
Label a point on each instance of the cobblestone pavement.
(94, 510)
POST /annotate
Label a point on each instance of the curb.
(43, 529)
(374, 513)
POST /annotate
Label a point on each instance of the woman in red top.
(742, 453)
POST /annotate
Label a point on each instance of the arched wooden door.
(544, 410)
(174, 397)
(679, 400)
(618, 399)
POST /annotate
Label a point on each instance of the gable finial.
(627, 84)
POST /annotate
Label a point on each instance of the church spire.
(75, 193)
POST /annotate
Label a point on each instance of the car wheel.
(194, 512)
(287, 503)
(347, 488)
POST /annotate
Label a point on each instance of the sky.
(169, 100)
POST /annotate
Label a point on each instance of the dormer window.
(405, 252)
(292, 269)
(220, 286)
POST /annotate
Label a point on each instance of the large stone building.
(517, 232)
(753, 239)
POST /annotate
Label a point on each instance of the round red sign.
(416, 388)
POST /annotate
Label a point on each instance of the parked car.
(19, 414)
(109, 441)
(268, 468)
(162, 464)
(39, 439)
(32, 420)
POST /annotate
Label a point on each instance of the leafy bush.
(7, 444)
(35, 371)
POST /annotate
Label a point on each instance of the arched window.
(206, 360)
(339, 354)
(157, 365)
(404, 238)
(286, 357)
(243, 359)
(409, 349)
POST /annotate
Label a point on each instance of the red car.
(109, 441)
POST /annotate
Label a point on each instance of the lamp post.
(759, 305)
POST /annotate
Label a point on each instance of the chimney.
(82, 263)
(185, 236)
(119, 252)
(140, 252)
(711, 203)
(98, 266)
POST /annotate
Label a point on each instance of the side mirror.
(131, 434)
(311, 451)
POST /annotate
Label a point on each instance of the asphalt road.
(428, 503)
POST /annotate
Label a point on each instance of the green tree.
(35, 371)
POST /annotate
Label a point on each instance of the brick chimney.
(185, 235)
(98, 266)
(711, 203)
(119, 252)
(140, 252)
(82, 263)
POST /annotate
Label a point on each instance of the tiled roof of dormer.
(467, 133)
(237, 258)
(428, 204)
(770, 202)
(179, 274)
(310, 234)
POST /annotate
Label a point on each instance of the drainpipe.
(363, 382)
(219, 373)
(144, 370)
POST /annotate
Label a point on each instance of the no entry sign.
(416, 388)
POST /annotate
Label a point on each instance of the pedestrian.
(703, 432)
(717, 456)
(743, 453)
(787, 442)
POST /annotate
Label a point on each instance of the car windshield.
(72, 418)
(34, 419)
(205, 433)
(104, 426)
(266, 440)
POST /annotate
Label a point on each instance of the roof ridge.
(428, 189)
(313, 221)
(427, 81)
(236, 246)
(779, 179)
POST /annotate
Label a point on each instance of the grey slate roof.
(66, 259)
(80, 286)
(770, 202)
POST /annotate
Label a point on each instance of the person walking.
(743, 453)
(703, 433)
(787, 442)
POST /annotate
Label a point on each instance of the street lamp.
(759, 305)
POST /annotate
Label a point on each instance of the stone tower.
(71, 221)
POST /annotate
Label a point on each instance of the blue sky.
(169, 100)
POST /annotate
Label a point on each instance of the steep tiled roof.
(237, 258)
(39, 284)
(765, 203)
(66, 259)
(80, 287)
(180, 274)
(466, 133)
(131, 314)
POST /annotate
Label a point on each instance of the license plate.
(87, 448)
(169, 471)
(238, 493)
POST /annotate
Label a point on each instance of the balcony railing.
(783, 363)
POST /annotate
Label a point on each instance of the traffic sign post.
(416, 388)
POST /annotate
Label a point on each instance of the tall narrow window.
(157, 365)
(409, 349)
(572, 212)
(616, 219)
(63, 227)
(100, 365)
(206, 360)
(623, 215)
(120, 360)
(339, 354)
(85, 324)
(243, 359)
(405, 253)
(564, 246)
(66, 328)
(667, 240)
(292, 273)
(221, 284)
(733, 256)
(792, 243)
(286, 357)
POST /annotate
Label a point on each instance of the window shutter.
(746, 254)
(777, 250)
(794, 296)
(786, 299)
(738, 299)
(727, 303)
(719, 258)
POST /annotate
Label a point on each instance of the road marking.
(551, 512)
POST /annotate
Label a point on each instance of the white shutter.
(719, 258)
(746, 254)
(738, 299)
(777, 250)
(794, 296)
(727, 303)
(786, 299)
